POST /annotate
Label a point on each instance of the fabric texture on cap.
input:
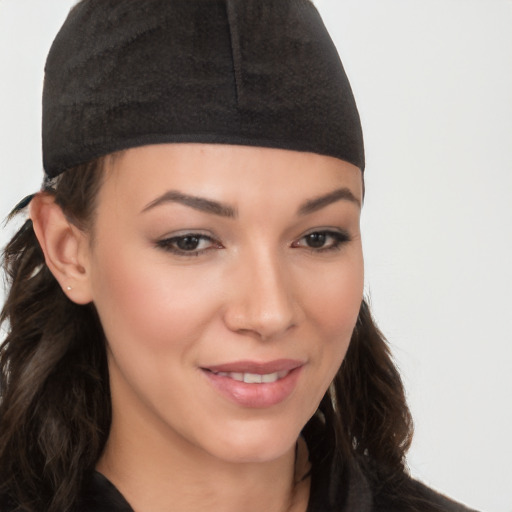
(126, 73)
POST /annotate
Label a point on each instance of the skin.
(253, 290)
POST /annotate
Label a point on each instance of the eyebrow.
(340, 194)
(198, 203)
(224, 210)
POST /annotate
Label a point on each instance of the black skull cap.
(127, 73)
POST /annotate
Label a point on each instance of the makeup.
(255, 385)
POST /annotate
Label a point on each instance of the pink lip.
(259, 368)
(257, 396)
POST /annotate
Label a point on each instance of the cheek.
(334, 311)
(149, 307)
(336, 302)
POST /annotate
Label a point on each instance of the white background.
(433, 80)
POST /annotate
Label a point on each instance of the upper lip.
(256, 367)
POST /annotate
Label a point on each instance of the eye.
(321, 241)
(189, 244)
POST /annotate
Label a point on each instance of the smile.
(254, 378)
(255, 385)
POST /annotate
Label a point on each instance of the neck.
(159, 471)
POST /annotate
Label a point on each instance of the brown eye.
(188, 243)
(322, 241)
(316, 240)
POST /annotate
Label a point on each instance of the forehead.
(237, 174)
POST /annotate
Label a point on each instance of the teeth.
(254, 378)
(271, 377)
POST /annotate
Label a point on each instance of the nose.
(262, 300)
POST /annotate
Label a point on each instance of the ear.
(65, 247)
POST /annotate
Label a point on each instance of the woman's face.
(228, 280)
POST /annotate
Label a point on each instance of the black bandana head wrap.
(125, 73)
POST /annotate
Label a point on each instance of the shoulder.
(414, 495)
(356, 489)
(442, 501)
(100, 495)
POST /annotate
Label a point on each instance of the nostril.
(260, 324)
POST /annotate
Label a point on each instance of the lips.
(254, 378)
(259, 368)
(253, 384)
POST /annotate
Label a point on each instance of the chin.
(254, 442)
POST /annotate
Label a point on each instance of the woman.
(187, 327)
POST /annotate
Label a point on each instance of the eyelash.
(170, 244)
(338, 239)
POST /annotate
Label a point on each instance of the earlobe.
(65, 247)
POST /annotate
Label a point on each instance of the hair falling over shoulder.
(55, 408)
(54, 392)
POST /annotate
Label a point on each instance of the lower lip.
(256, 396)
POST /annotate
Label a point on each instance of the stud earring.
(68, 288)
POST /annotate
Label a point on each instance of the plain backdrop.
(433, 80)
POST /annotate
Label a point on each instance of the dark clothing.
(353, 494)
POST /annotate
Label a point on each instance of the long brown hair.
(54, 389)
(55, 407)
